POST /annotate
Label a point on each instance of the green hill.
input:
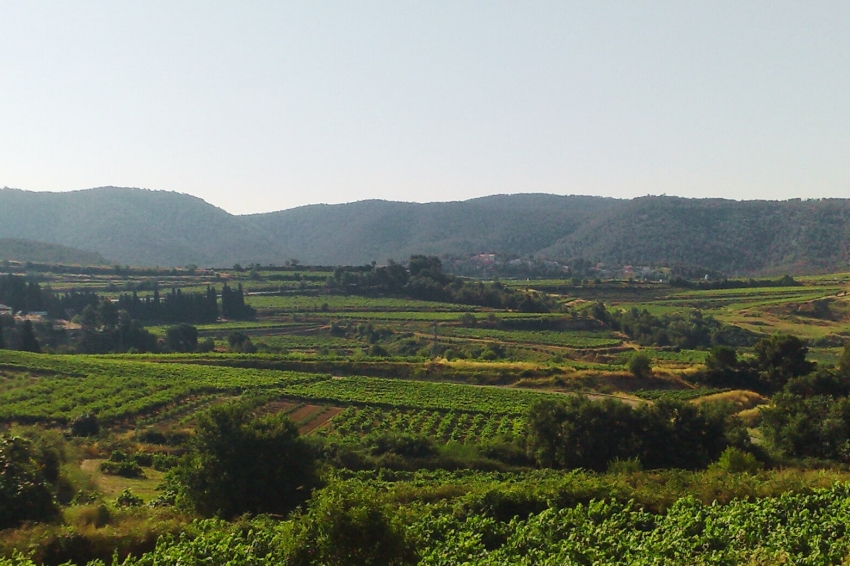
(40, 252)
(144, 227)
(746, 237)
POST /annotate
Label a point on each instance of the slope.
(40, 252)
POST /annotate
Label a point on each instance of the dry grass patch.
(741, 399)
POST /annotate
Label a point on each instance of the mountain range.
(160, 228)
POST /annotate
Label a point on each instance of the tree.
(27, 341)
(181, 338)
(844, 362)
(426, 266)
(580, 433)
(781, 357)
(640, 365)
(240, 464)
(86, 424)
(107, 313)
(25, 494)
(721, 358)
(815, 427)
(240, 342)
(88, 318)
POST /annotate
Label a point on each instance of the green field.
(427, 421)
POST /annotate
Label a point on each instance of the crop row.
(676, 394)
(805, 528)
(572, 339)
(116, 388)
(180, 410)
(347, 302)
(404, 394)
(442, 426)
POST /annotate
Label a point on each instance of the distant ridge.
(40, 252)
(145, 227)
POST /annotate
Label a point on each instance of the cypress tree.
(28, 341)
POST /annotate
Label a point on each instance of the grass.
(741, 399)
(110, 486)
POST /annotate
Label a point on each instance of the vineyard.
(443, 426)
(570, 339)
(441, 433)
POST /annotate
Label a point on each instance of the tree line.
(174, 306)
(424, 279)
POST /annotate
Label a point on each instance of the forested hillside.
(143, 227)
(28, 250)
(732, 237)
(130, 226)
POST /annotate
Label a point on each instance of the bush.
(85, 425)
(129, 499)
(163, 462)
(626, 466)
(350, 527)
(640, 365)
(734, 461)
(580, 433)
(25, 494)
(119, 464)
(240, 464)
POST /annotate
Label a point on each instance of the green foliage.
(241, 464)
(163, 462)
(805, 528)
(115, 388)
(441, 426)
(119, 464)
(820, 382)
(844, 363)
(350, 525)
(574, 339)
(86, 424)
(409, 394)
(813, 427)
(580, 433)
(27, 342)
(425, 280)
(781, 357)
(736, 461)
(181, 338)
(686, 331)
(128, 499)
(240, 342)
(25, 494)
(676, 394)
(721, 358)
(640, 365)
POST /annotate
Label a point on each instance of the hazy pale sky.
(257, 106)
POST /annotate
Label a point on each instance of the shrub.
(128, 499)
(640, 365)
(85, 425)
(240, 464)
(735, 461)
(25, 494)
(350, 527)
(119, 464)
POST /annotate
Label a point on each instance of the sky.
(259, 106)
